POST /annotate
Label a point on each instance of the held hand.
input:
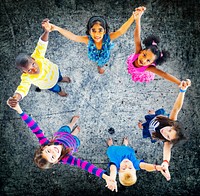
(138, 12)
(48, 27)
(12, 102)
(110, 183)
(185, 84)
(165, 171)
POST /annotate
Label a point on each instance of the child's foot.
(110, 142)
(125, 141)
(66, 79)
(140, 125)
(76, 130)
(100, 70)
(74, 120)
(63, 94)
(151, 111)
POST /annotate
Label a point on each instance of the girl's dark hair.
(22, 60)
(151, 43)
(41, 162)
(96, 19)
(165, 121)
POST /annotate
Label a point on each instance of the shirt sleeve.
(34, 128)
(24, 86)
(40, 49)
(84, 165)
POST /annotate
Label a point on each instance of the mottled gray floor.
(102, 101)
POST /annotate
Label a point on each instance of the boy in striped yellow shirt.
(38, 70)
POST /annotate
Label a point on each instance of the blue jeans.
(57, 88)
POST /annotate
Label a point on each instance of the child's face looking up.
(168, 133)
(97, 32)
(52, 153)
(146, 57)
(32, 67)
(126, 165)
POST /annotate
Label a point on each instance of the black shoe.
(38, 89)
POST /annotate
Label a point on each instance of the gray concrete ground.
(102, 101)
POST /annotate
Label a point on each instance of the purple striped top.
(68, 159)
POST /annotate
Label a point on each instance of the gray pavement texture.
(102, 101)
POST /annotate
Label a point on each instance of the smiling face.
(31, 68)
(52, 153)
(168, 133)
(146, 57)
(97, 32)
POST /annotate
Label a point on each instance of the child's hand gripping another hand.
(48, 27)
(138, 12)
(14, 104)
(185, 84)
(164, 169)
(111, 183)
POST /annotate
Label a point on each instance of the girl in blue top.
(98, 38)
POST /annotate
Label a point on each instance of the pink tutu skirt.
(138, 74)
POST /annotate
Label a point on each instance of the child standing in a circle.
(162, 127)
(142, 65)
(98, 38)
(60, 149)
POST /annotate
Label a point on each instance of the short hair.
(94, 20)
(22, 60)
(127, 178)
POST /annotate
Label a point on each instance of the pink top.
(139, 74)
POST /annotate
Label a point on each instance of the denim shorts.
(68, 130)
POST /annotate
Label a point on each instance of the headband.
(96, 18)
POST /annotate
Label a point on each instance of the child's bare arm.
(70, 35)
(179, 100)
(149, 167)
(137, 32)
(164, 75)
(123, 29)
(152, 167)
(47, 28)
(113, 174)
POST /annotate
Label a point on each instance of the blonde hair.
(127, 178)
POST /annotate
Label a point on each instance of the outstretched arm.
(123, 29)
(152, 167)
(30, 123)
(47, 28)
(137, 40)
(164, 75)
(173, 115)
(179, 100)
(70, 35)
(113, 175)
(71, 160)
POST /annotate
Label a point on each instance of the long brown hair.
(41, 162)
(165, 121)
